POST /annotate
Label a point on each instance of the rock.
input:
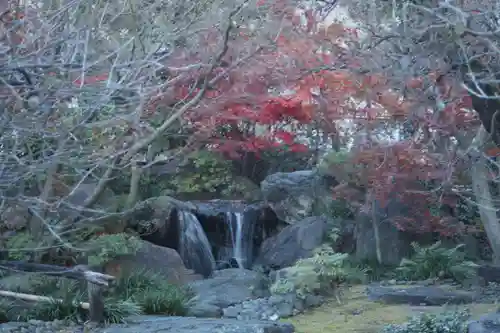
(285, 304)
(292, 195)
(157, 259)
(220, 207)
(312, 301)
(294, 242)
(489, 323)
(206, 310)
(395, 244)
(419, 295)
(226, 288)
(271, 308)
(150, 324)
(489, 274)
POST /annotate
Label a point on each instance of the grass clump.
(153, 294)
(436, 261)
(140, 292)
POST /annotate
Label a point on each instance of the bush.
(324, 272)
(446, 322)
(436, 261)
(106, 247)
(140, 292)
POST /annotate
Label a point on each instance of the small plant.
(105, 247)
(152, 293)
(116, 310)
(324, 272)
(436, 261)
(446, 322)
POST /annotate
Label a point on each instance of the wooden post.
(96, 303)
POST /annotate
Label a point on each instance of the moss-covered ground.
(357, 314)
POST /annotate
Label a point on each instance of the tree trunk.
(484, 200)
(376, 230)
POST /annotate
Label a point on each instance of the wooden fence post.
(96, 302)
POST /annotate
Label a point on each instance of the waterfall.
(241, 238)
(194, 247)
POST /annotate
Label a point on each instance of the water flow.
(194, 247)
(241, 238)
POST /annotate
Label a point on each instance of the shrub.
(436, 261)
(140, 292)
(106, 247)
(324, 272)
(446, 322)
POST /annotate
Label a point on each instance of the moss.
(359, 315)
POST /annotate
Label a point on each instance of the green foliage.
(116, 310)
(341, 208)
(339, 164)
(205, 173)
(436, 261)
(323, 272)
(200, 172)
(104, 248)
(446, 322)
(468, 213)
(333, 235)
(140, 292)
(63, 306)
(282, 160)
(18, 243)
(152, 293)
(373, 270)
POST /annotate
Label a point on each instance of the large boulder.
(163, 261)
(224, 289)
(294, 242)
(294, 195)
(394, 244)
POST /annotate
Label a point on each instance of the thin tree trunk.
(376, 230)
(484, 200)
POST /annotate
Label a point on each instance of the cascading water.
(194, 247)
(241, 238)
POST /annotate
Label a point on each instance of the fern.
(436, 261)
(324, 272)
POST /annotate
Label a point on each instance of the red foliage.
(251, 97)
